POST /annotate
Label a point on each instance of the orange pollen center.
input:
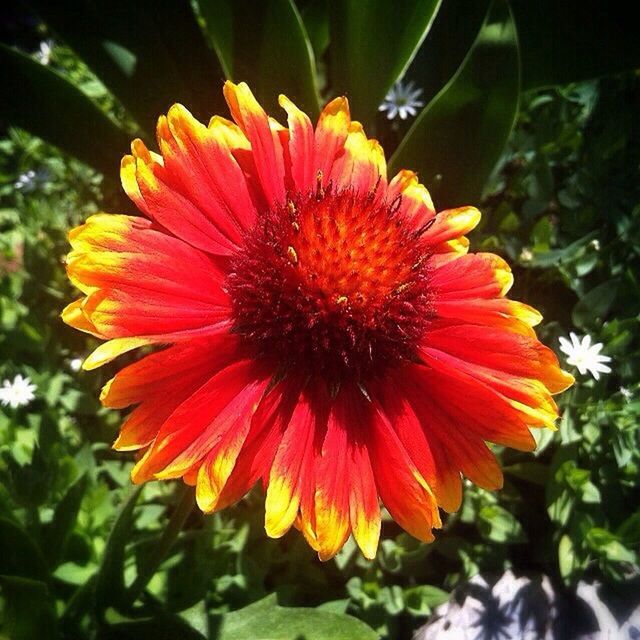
(333, 284)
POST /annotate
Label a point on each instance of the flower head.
(17, 393)
(323, 324)
(402, 100)
(31, 180)
(43, 54)
(585, 356)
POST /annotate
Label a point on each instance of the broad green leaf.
(595, 304)
(606, 544)
(64, 519)
(110, 587)
(40, 100)
(452, 34)
(265, 620)
(458, 138)
(534, 472)
(149, 54)
(29, 609)
(566, 42)
(372, 45)
(422, 599)
(20, 556)
(270, 49)
(566, 557)
(497, 524)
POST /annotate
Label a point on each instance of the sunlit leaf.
(265, 620)
(64, 518)
(149, 54)
(40, 100)
(457, 140)
(110, 586)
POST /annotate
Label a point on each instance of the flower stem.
(169, 535)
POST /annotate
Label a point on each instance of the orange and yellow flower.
(323, 329)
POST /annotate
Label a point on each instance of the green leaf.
(534, 472)
(270, 49)
(64, 519)
(265, 620)
(458, 138)
(372, 45)
(421, 600)
(110, 586)
(566, 557)
(566, 42)
(606, 544)
(149, 54)
(497, 524)
(453, 33)
(40, 100)
(595, 304)
(21, 556)
(29, 610)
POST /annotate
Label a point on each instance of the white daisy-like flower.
(43, 54)
(627, 394)
(75, 364)
(402, 100)
(584, 355)
(31, 180)
(17, 393)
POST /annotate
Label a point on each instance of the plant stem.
(169, 535)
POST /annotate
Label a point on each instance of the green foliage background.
(562, 205)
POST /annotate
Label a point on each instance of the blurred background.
(528, 110)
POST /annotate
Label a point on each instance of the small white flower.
(526, 255)
(31, 180)
(402, 100)
(585, 356)
(75, 364)
(627, 394)
(18, 393)
(43, 54)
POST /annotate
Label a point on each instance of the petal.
(331, 132)
(157, 193)
(479, 275)
(402, 488)
(301, 146)
(422, 446)
(362, 166)
(499, 312)
(449, 226)
(224, 403)
(143, 283)
(415, 203)
(291, 467)
(256, 457)
(528, 395)
(505, 352)
(207, 173)
(253, 121)
(466, 449)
